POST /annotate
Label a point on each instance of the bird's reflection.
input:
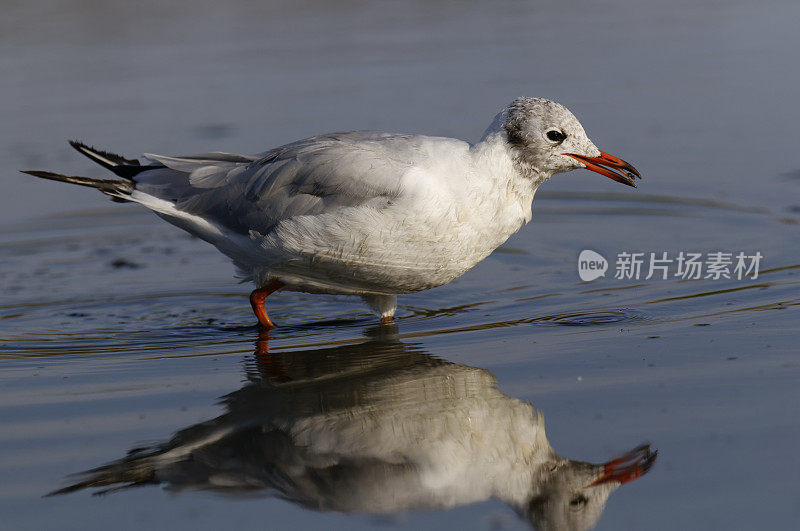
(377, 427)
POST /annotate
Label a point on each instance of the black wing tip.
(116, 189)
(92, 151)
(45, 174)
(77, 144)
(59, 492)
(87, 150)
(125, 168)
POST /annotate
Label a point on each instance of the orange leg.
(257, 299)
(387, 319)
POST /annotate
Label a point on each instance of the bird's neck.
(498, 158)
(496, 138)
(503, 187)
(528, 461)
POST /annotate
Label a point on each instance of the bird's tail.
(118, 189)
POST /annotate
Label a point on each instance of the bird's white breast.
(455, 205)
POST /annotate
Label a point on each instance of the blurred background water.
(118, 331)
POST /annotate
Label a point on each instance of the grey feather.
(311, 176)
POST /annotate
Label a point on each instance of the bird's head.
(573, 494)
(548, 139)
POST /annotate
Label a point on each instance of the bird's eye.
(555, 135)
(578, 501)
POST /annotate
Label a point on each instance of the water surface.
(120, 332)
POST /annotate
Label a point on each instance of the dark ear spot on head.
(537, 504)
(518, 114)
(514, 134)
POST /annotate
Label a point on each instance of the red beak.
(610, 166)
(627, 467)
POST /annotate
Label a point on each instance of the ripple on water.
(590, 318)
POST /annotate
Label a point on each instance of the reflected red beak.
(610, 166)
(628, 467)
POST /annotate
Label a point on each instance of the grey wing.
(255, 193)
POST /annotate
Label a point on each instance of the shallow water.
(119, 331)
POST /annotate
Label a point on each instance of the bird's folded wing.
(255, 193)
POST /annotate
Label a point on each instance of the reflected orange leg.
(268, 365)
(257, 300)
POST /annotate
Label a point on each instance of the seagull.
(378, 427)
(362, 213)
